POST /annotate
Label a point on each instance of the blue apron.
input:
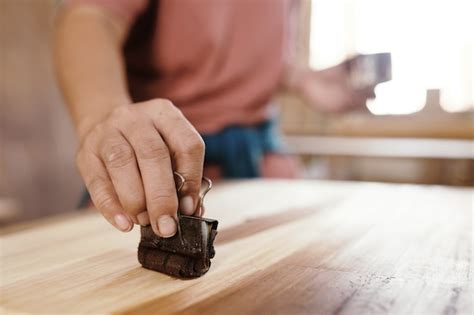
(238, 150)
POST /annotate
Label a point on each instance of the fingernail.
(166, 225)
(186, 205)
(143, 218)
(122, 223)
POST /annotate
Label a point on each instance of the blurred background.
(419, 129)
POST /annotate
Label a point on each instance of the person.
(160, 86)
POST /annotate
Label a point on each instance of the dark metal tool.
(188, 253)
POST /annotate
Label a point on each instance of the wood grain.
(301, 247)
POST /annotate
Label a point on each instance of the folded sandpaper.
(185, 255)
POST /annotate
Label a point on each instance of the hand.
(329, 90)
(127, 162)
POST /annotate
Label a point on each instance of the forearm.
(90, 65)
(292, 77)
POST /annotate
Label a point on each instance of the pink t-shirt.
(219, 61)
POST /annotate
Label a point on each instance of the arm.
(90, 65)
(325, 90)
(126, 153)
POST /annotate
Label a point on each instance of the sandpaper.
(185, 255)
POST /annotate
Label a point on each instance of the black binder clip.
(188, 253)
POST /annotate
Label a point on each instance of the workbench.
(284, 247)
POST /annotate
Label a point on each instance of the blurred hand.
(127, 162)
(329, 90)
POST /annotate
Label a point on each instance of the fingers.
(369, 92)
(119, 159)
(154, 162)
(102, 191)
(186, 147)
(127, 162)
(360, 97)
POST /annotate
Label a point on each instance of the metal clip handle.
(200, 203)
(182, 180)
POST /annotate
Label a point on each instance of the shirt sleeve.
(126, 10)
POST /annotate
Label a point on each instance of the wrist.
(87, 121)
(294, 77)
(85, 125)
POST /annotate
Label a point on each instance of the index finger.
(186, 147)
(155, 166)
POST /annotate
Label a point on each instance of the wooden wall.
(36, 138)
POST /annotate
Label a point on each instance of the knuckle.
(104, 202)
(91, 139)
(95, 133)
(151, 149)
(193, 146)
(96, 130)
(192, 185)
(163, 201)
(120, 112)
(118, 155)
(164, 195)
(167, 107)
(96, 185)
(196, 144)
(164, 103)
(103, 199)
(134, 205)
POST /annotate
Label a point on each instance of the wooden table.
(303, 247)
